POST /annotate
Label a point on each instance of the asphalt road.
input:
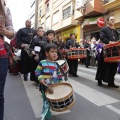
(23, 100)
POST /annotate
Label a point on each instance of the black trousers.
(73, 65)
(3, 74)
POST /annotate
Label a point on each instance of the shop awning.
(90, 21)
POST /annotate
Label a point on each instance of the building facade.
(113, 8)
(88, 12)
(59, 16)
(33, 13)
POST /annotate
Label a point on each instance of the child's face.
(52, 54)
(40, 32)
(51, 37)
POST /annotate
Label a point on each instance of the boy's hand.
(43, 82)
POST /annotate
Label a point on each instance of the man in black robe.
(73, 64)
(106, 71)
(88, 49)
(24, 38)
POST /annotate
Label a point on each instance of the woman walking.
(6, 29)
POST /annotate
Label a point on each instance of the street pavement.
(23, 101)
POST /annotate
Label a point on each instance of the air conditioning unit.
(79, 4)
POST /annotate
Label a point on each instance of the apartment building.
(33, 13)
(113, 8)
(88, 12)
(59, 16)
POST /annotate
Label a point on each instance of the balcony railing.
(107, 1)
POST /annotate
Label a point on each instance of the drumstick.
(50, 89)
(118, 41)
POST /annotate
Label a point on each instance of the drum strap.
(65, 75)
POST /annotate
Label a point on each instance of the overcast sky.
(19, 10)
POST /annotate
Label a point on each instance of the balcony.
(94, 7)
(88, 8)
(112, 4)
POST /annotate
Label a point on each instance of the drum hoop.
(61, 64)
(66, 108)
(112, 59)
(77, 49)
(60, 99)
(111, 45)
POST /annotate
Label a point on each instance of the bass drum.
(63, 64)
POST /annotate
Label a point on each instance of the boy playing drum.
(48, 73)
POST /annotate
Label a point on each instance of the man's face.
(60, 38)
(51, 37)
(40, 32)
(28, 23)
(52, 54)
(111, 21)
(73, 37)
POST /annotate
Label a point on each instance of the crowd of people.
(39, 50)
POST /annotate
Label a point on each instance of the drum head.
(60, 91)
(60, 62)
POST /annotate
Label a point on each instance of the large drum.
(63, 64)
(63, 97)
(112, 52)
(76, 53)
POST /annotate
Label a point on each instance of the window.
(32, 18)
(40, 1)
(67, 12)
(42, 25)
(40, 13)
(47, 7)
(56, 17)
(48, 23)
(33, 4)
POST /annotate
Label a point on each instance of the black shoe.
(113, 85)
(86, 66)
(75, 75)
(70, 75)
(118, 72)
(100, 82)
(25, 78)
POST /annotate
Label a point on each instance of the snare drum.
(63, 64)
(63, 53)
(63, 97)
(76, 53)
(112, 52)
